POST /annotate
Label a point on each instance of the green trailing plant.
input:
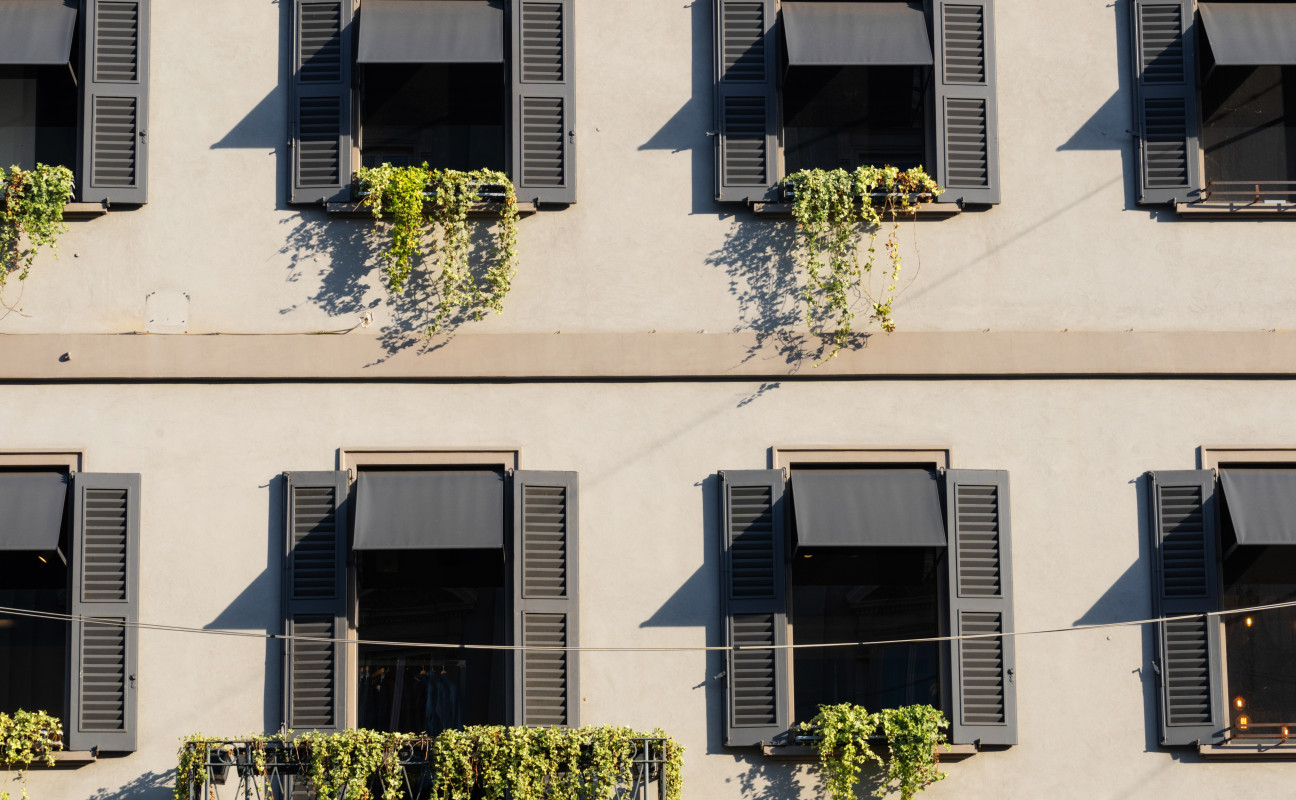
(834, 210)
(31, 215)
(27, 736)
(423, 201)
(846, 734)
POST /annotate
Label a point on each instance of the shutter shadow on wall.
(983, 669)
(315, 600)
(546, 684)
(754, 607)
(967, 114)
(543, 107)
(746, 100)
(1165, 100)
(320, 101)
(105, 587)
(1184, 546)
(115, 80)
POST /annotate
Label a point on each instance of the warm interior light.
(42, 559)
(1284, 731)
(1242, 722)
(1238, 702)
(1248, 622)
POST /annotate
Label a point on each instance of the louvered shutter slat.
(105, 593)
(320, 101)
(113, 161)
(543, 149)
(967, 139)
(546, 682)
(746, 100)
(1165, 100)
(754, 607)
(1184, 544)
(980, 594)
(315, 600)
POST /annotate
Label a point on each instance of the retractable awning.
(867, 508)
(429, 510)
(1261, 504)
(37, 32)
(1250, 34)
(856, 34)
(31, 509)
(431, 32)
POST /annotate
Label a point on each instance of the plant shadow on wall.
(440, 268)
(829, 264)
(149, 786)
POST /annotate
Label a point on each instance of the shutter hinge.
(1156, 666)
(722, 673)
(1011, 675)
(132, 681)
(571, 137)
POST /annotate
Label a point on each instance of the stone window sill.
(1252, 750)
(357, 210)
(930, 211)
(1219, 210)
(957, 752)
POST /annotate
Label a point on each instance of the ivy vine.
(845, 735)
(833, 209)
(27, 736)
(422, 200)
(31, 215)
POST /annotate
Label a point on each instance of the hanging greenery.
(437, 201)
(833, 209)
(31, 215)
(845, 734)
(25, 737)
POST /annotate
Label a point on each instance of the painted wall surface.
(646, 247)
(647, 456)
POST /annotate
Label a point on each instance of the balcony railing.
(1250, 191)
(231, 771)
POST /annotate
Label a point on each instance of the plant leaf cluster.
(26, 736)
(423, 201)
(31, 215)
(913, 735)
(834, 210)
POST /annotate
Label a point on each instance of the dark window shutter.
(1184, 547)
(114, 86)
(546, 684)
(746, 99)
(319, 110)
(754, 607)
(315, 600)
(105, 586)
(967, 113)
(543, 107)
(983, 673)
(1165, 101)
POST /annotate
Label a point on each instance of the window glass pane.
(1260, 647)
(865, 594)
(38, 116)
(442, 596)
(449, 115)
(34, 652)
(1249, 127)
(852, 116)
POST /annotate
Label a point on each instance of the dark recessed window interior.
(1249, 127)
(852, 116)
(33, 671)
(1260, 648)
(38, 116)
(865, 594)
(449, 115)
(441, 596)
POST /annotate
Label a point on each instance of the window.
(436, 559)
(69, 546)
(847, 552)
(1216, 98)
(809, 84)
(1226, 541)
(74, 92)
(459, 84)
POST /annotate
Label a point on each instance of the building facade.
(1092, 333)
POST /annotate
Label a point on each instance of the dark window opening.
(854, 116)
(38, 116)
(865, 594)
(436, 596)
(1260, 647)
(450, 115)
(33, 666)
(1249, 127)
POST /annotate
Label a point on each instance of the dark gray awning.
(867, 508)
(1262, 504)
(37, 32)
(1250, 34)
(31, 509)
(856, 34)
(429, 510)
(431, 32)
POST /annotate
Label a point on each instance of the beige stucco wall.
(647, 456)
